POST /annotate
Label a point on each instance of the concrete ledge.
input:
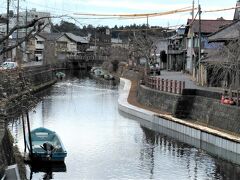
(12, 173)
(217, 138)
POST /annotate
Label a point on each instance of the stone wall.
(201, 106)
(38, 75)
(6, 149)
(212, 112)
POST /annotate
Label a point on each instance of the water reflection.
(48, 169)
(195, 159)
(103, 143)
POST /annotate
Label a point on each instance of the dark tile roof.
(208, 26)
(229, 32)
(75, 38)
(51, 36)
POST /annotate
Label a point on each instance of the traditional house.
(223, 36)
(78, 44)
(228, 34)
(55, 47)
(100, 42)
(35, 48)
(176, 52)
(192, 33)
(161, 46)
(116, 42)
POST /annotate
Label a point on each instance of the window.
(39, 42)
(189, 43)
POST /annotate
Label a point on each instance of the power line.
(142, 15)
(218, 10)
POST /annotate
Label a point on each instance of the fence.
(166, 85)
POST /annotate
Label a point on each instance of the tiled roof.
(75, 38)
(229, 32)
(51, 36)
(208, 26)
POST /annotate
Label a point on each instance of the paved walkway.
(189, 83)
(32, 63)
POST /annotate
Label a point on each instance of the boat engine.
(48, 147)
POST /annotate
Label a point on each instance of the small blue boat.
(46, 146)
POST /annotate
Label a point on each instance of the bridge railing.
(87, 58)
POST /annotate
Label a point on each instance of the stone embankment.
(199, 106)
(215, 140)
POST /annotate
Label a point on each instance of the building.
(100, 42)
(35, 48)
(223, 36)
(116, 42)
(55, 47)
(192, 34)
(176, 52)
(160, 45)
(237, 11)
(78, 44)
(25, 17)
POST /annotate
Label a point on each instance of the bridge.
(85, 61)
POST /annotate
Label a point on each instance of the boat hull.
(45, 157)
(41, 139)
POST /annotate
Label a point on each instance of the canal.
(103, 143)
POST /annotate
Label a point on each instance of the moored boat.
(46, 146)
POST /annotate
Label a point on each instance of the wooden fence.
(166, 85)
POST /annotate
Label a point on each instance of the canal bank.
(216, 138)
(11, 161)
(102, 143)
(40, 78)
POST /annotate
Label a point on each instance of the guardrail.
(88, 58)
(166, 85)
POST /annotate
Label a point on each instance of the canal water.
(103, 143)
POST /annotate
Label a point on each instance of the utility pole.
(8, 2)
(200, 46)
(25, 42)
(193, 10)
(95, 44)
(17, 55)
(17, 17)
(7, 29)
(146, 33)
(26, 22)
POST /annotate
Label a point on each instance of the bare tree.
(37, 26)
(15, 90)
(227, 68)
(142, 46)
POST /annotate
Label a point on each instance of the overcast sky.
(60, 7)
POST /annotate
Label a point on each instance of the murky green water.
(103, 143)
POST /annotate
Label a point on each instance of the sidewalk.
(189, 83)
(32, 63)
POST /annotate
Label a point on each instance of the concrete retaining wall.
(204, 134)
(197, 106)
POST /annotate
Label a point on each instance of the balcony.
(175, 49)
